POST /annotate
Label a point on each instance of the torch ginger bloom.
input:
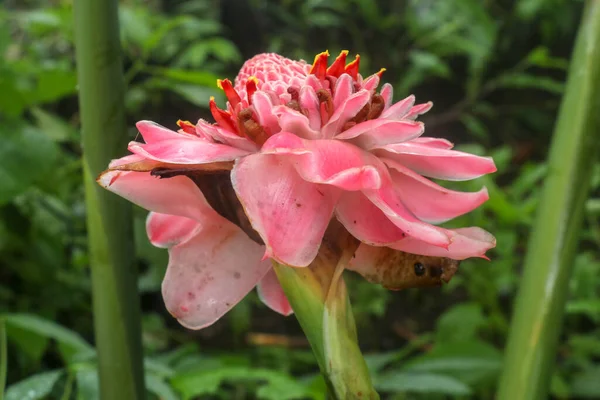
(298, 145)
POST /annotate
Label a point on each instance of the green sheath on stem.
(320, 302)
(110, 233)
(538, 311)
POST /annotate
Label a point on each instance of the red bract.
(304, 144)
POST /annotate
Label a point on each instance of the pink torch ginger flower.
(298, 145)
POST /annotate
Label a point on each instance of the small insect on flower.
(296, 148)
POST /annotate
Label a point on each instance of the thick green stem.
(3, 358)
(539, 308)
(320, 302)
(114, 290)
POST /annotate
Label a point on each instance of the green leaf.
(586, 384)
(53, 126)
(26, 156)
(70, 342)
(459, 323)
(160, 388)
(528, 81)
(88, 385)
(36, 387)
(277, 386)
(53, 84)
(401, 382)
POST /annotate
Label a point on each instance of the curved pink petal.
(132, 158)
(345, 112)
(309, 103)
(153, 132)
(387, 92)
(270, 292)
(176, 196)
(465, 243)
(429, 201)
(371, 83)
(388, 201)
(166, 230)
(296, 122)
(289, 213)
(344, 87)
(263, 105)
(433, 142)
(218, 134)
(398, 111)
(381, 132)
(438, 163)
(328, 162)
(365, 221)
(418, 110)
(186, 151)
(210, 273)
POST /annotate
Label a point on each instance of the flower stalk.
(319, 298)
(114, 289)
(539, 307)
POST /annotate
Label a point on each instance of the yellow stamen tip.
(344, 52)
(212, 98)
(253, 79)
(220, 84)
(382, 70)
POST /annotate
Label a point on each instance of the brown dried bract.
(397, 270)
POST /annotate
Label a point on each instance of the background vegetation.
(495, 71)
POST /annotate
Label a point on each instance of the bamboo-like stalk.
(3, 358)
(110, 234)
(539, 308)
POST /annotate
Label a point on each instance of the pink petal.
(433, 142)
(210, 273)
(218, 134)
(309, 103)
(132, 158)
(371, 83)
(330, 162)
(186, 151)
(387, 201)
(271, 293)
(438, 163)
(418, 110)
(387, 92)
(263, 105)
(399, 110)
(293, 121)
(465, 243)
(289, 213)
(381, 132)
(345, 112)
(153, 132)
(343, 90)
(365, 221)
(176, 196)
(431, 202)
(166, 230)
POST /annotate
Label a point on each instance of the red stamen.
(319, 67)
(230, 92)
(352, 68)
(222, 117)
(187, 127)
(251, 87)
(337, 68)
(381, 71)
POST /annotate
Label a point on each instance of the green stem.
(319, 298)
(115, 299)
(539, 308)
(3, 358)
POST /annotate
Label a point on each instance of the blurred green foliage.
(495, 70)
